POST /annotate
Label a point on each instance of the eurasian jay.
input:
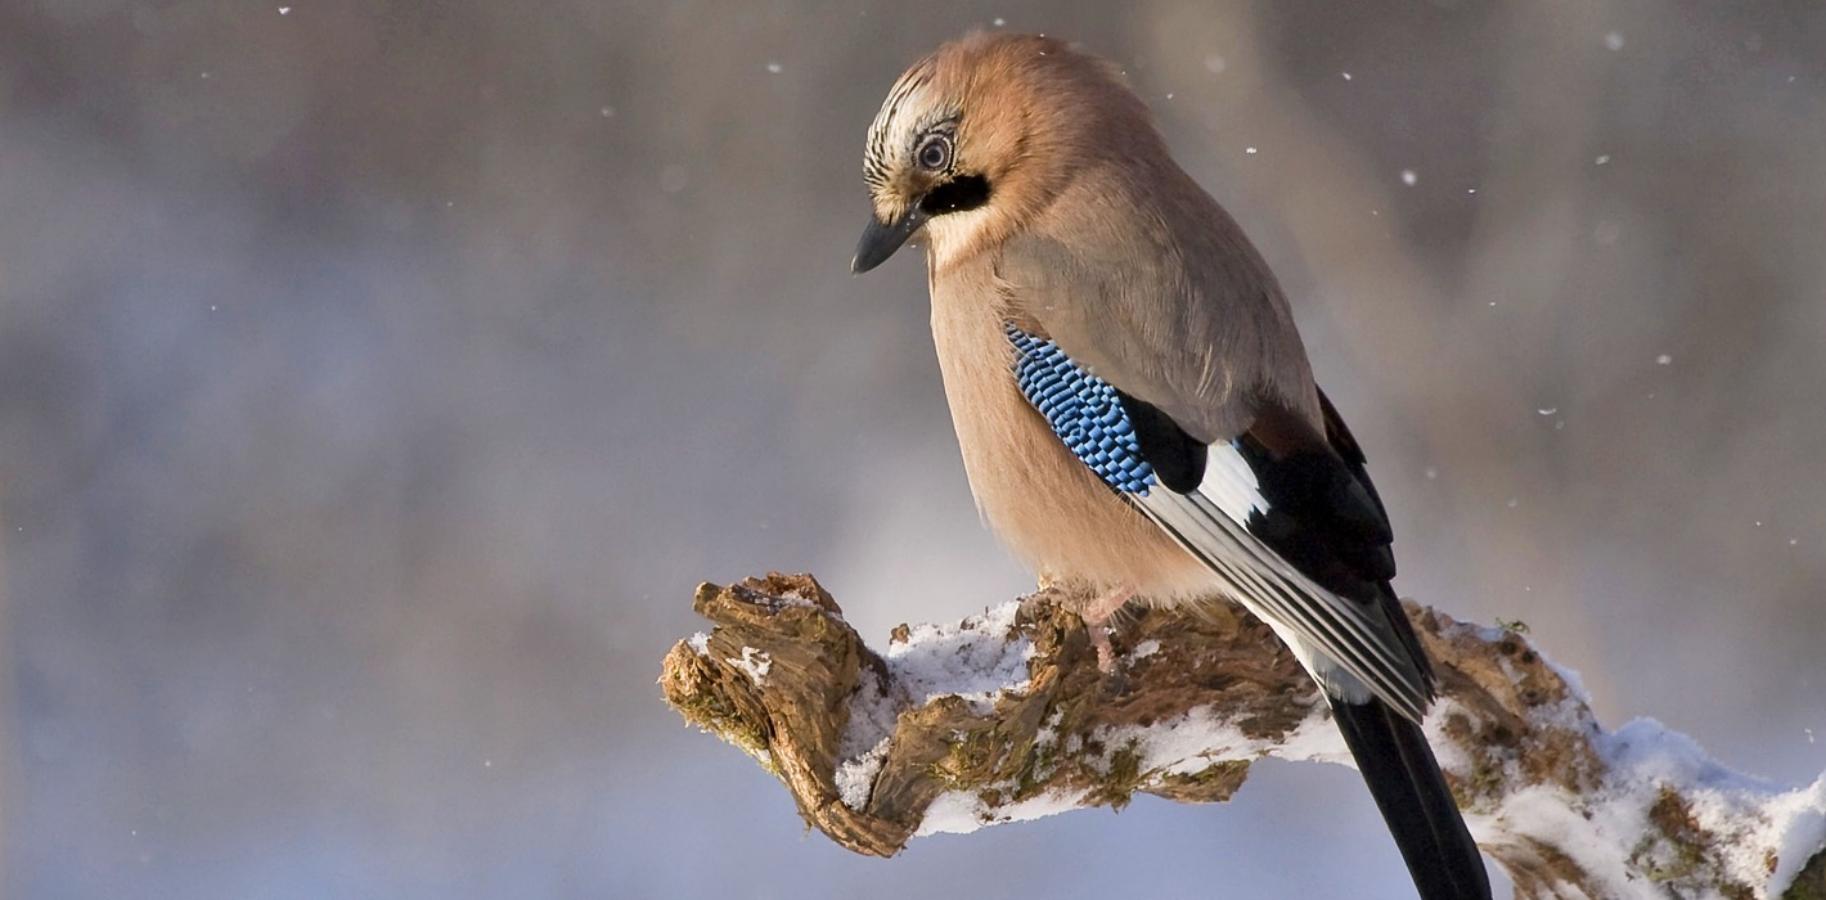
(1135, 408)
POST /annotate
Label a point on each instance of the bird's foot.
(1097, 615)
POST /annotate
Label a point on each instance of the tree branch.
(1007, 717)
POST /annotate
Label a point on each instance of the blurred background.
(377, 379)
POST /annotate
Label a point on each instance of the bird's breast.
(1048, 507)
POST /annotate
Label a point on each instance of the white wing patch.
(1231, 484)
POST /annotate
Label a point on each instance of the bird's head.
(981, 135)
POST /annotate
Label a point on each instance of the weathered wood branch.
(1008, 717)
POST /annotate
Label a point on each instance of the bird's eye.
(935, 153)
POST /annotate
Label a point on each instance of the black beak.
(879, 241)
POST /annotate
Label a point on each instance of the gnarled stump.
(1007, 717)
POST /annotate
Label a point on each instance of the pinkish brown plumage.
(1080, 174)
(1133, 402)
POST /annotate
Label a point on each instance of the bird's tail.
(1393, 755)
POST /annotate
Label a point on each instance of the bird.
(1135, 408)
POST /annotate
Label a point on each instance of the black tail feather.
(1393, 755)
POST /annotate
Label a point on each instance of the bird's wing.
(1284, 522)
(1196, 326)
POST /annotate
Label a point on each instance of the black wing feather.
(1177, 457)
(1324, 515)
(1338, 435)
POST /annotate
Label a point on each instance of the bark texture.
(1008, 717)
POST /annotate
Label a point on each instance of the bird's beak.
(880, 240)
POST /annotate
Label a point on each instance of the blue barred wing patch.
(1083, 410)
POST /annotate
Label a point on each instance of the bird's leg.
(1096, 615)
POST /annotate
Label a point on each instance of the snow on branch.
(1006, 717)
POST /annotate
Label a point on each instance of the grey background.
(377, 380)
